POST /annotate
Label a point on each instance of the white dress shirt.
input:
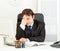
(23, 26)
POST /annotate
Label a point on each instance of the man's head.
(28, 15)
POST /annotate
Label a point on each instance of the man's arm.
(19, 31)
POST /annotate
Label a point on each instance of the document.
(33, 43)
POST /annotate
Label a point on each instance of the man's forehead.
(27, 16)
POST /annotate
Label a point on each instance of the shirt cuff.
(22, 26)
(28, 40)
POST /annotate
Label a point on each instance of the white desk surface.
(46, 47)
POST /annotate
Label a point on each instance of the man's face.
(29, 19)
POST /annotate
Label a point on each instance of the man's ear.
(33, 16)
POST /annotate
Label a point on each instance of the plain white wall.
(8, 14)
(58, 20)
(49, 9)
(21, 4)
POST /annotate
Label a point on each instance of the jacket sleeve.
(41, 36)
(19, 32)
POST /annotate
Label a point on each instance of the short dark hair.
(27, 12)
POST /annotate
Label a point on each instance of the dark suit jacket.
(38, 32)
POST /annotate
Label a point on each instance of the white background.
(9, 9)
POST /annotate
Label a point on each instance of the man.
(29, 29)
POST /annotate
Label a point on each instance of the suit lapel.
(34, 26)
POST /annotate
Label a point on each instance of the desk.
(43, 47)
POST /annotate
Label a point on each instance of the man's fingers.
(23, 22)
(23, 39)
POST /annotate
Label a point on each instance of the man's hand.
(23, 39)
(24, 21)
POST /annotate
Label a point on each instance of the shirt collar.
(32, 23)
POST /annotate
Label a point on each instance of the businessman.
(30, 29)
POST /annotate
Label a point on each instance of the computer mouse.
(56, 44)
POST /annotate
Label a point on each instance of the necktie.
(29, 27)
(29, 30)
